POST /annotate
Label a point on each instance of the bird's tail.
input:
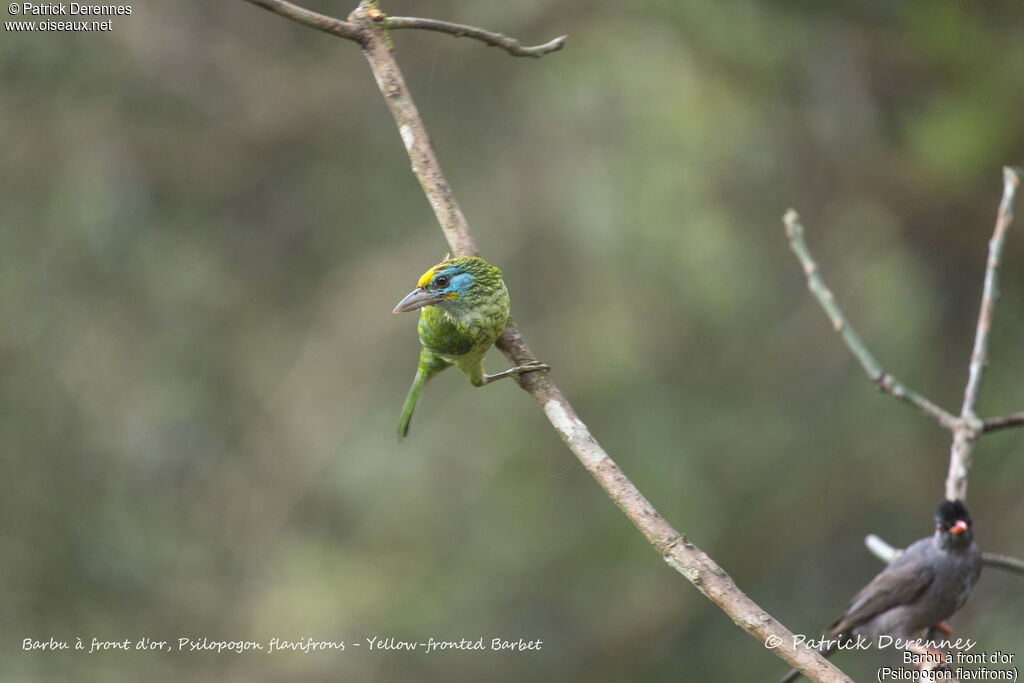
(410, 402)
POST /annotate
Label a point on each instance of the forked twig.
(965, 427)
(880, 378)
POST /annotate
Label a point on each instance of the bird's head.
(953, 524)
(451, 284)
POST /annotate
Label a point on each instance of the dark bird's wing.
(901, 583)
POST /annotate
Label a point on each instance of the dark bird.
(464, 307)
(927, 583)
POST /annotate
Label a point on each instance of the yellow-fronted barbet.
(464, 307)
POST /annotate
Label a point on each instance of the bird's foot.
(532, 366)
(941, 627)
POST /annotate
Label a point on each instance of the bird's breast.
(462, 333)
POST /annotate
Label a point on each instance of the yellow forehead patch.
(428, 276)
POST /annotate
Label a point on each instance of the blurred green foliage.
(206, 217)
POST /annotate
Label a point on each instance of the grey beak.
(416, 299)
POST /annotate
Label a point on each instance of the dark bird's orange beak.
(959, 527)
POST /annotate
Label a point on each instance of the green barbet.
(463, 307)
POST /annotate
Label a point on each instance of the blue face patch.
(451, 283)
(461, 283)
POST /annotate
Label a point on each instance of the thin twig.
(686, 558)
(321, 22)
(887, 553)
(994, 424)
(510, 45)
(1011, 564)
(881, 379)
(966, 433)
(979, 356)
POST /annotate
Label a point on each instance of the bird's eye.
(441, 281)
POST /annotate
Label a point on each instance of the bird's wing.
(898, 584)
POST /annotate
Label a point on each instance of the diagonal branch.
(882, 379)
(321, 22)
(510, 45)
(964, 436)
(709, 578)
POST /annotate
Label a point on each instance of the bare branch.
(994, 424)
(965, 435)
(348, 30)
(321, 22)
(510, 45)
(1011, 564)
(886, 553)
(882, 379)
(880, 549)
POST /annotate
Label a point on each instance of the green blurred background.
(206, 217)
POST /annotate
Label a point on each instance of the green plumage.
(464, 307)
